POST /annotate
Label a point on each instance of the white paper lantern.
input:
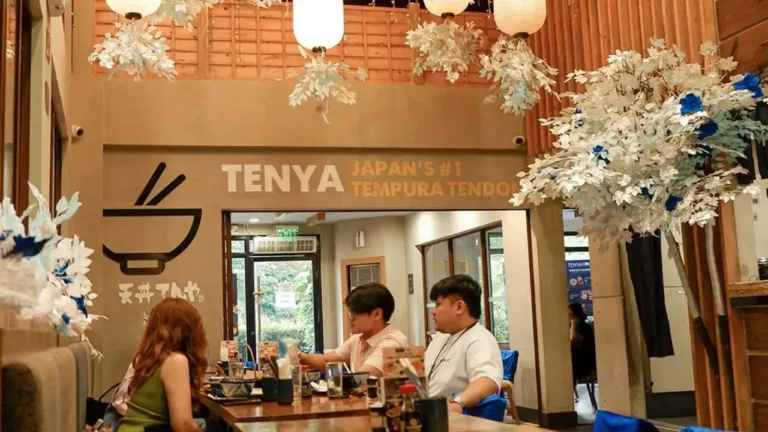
(134, 9)
(318, 24)
(519, 17)
(446, 8)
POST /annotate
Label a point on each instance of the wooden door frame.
(345, 265)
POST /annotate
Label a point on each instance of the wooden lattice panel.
(183, 43)
(241, 41)
(250, 42)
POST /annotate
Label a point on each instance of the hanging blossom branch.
(135, 49)
(517, 75)
(446, 47)
(323, 81)
(182, 13)
(264, 3)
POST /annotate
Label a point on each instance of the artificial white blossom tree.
(651, 144)
(43, 276)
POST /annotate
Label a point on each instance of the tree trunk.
(693, 305)
(722, 315)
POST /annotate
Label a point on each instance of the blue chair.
(610, 422)
(509, 360)
(699, 429)
(491, 408)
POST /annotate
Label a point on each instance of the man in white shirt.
(369, 307)
(464, 359)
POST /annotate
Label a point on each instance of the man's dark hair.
(462, 286)
(369, 297)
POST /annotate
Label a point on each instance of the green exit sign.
(287, 231)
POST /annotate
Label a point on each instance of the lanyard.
(439, 360)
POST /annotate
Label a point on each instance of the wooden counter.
(456, 422)
(315, 408)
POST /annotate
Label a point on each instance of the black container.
(285, 391)
(762, 268)
(373, 387)
(269, 389)
(433, 413)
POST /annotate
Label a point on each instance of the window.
(437, 265)
(497, 285)
(479, 254)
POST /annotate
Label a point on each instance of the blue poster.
(579, 284)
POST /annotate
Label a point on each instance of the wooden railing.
(235, 40)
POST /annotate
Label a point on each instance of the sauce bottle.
(409, 416)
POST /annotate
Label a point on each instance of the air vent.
(363, 274)
(283, 245)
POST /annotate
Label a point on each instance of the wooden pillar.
(619, 359)
(548, 252)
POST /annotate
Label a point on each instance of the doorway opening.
(277, 291)
(288, 274)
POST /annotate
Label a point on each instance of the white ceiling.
(299, 218)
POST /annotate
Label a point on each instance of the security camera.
(520, 141)
(77, 131)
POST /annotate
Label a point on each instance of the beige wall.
(256, 113)
(674, 373)
(384, 236)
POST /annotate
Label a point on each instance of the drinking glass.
(237, 370)
(334, 372)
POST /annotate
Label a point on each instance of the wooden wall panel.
(235, 40)
(735, 16)
(580, 34)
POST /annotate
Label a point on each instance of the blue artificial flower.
(80, 301)
(707, 129)
(750, 82)
(646, 193)
(690, 104)
(25, 246)
(597, 151)
(672, 203)
(65, 318)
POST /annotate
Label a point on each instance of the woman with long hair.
(168, 370)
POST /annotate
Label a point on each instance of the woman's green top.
(148, 405)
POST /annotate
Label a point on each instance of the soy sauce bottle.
(409, 416)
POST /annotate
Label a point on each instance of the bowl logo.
(148, 209)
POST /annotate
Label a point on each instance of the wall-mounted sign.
(153, 263)
(144, 292)
(287, 231)
(285, 297)
(367, 178)
(579, 284)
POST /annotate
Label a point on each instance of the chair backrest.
(607, 421)
(509, 360)
(700, 429)
(46, 391)
(491, 408)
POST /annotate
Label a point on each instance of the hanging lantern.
(318, 24)
(446, 8)
(134, 9)
(519, 18)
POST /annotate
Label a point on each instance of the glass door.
(285, 300)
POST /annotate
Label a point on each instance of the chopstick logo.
(153, 263)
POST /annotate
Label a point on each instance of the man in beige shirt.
(369, 307)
